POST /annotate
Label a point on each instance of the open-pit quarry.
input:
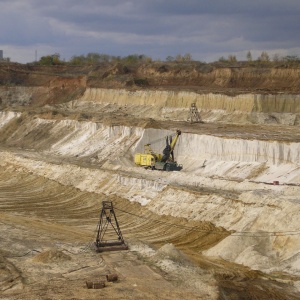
(224, 227)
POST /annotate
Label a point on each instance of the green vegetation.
(263, 60)
(92, 59)
(180, 58)
(97, 58)
(50, 60)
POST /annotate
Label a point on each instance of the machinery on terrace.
(165, 162)
(109, 236)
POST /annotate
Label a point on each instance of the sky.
(205, 29)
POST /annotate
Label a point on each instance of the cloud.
(155, 28)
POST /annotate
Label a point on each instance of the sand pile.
(169, 251)
(51, 256)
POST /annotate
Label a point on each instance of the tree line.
(98, 58)
(92, 58)
(263, 58)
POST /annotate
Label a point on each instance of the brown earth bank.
(193, 76)
(159, 91)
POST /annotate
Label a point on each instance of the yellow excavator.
(165, 162)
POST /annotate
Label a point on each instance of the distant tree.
(116, 58)
(136, 58)
(49, 60)
(232, 58)
(46, 60)
(144, 58)
(96, 58)
(264, 56)
(222, 59)
(56, 59)
(276, 57)
(178, 58)
(130, 59)
(148, 60)
(104, 58)
(187, 57)
(181, 58)
(291, 58)
(170, 58)
(77, 60)
(92, 58)
(249, 56)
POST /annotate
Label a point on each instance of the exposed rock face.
(243, 108)
(164, 105)
(214, 78)
(169, 76)
(238, 95)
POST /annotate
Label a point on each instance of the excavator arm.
(170, 145)
(174, 141)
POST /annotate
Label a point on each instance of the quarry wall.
(244, 102)
(213, 107)
(247, 103)
(84, 138)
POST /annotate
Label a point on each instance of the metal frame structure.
(108, 225)
(194, 115)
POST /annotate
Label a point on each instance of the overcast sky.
(206, 29)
